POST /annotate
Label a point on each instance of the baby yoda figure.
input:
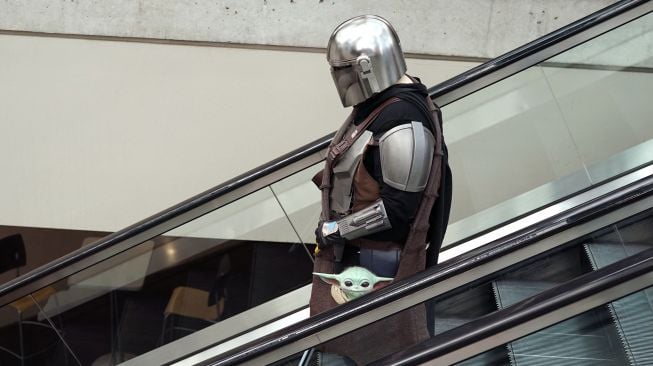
(352, 283)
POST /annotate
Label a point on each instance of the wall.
(97, 135)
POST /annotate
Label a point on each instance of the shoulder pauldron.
(406, 156)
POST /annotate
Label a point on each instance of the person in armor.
(386, 186)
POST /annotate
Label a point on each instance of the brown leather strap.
(339, 145)
(345, 143)
(420, 227)
(421, 222)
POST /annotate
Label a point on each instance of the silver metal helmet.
(365, 57)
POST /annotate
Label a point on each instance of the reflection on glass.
(603, 90)
(256, 216)
(513, 127)
(577, 119)
(27, 337)
(168, 287)
(93, 304)
(301, 200)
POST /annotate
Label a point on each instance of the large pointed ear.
(329, 278)
(382, 282)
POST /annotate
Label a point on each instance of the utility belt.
(383, 263)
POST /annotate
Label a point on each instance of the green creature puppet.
(352, 283)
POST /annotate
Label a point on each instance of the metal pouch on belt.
(383, 263)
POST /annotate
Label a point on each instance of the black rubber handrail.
(302, 152)
(437, 274)
(528, 309)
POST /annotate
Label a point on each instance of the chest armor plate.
(343, 175)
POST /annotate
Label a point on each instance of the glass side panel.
(27, 337)
(24, 249)
(256, 216)
(197, 275)
(556, 128)
(502, 290)
(618, 333)
(522, 108)
(606, 104)
(301, 200)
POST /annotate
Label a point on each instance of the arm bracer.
(369, 220)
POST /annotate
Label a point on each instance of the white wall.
(100, 134)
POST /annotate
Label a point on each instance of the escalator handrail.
(33, 280)
(572, 217)
(490, 325)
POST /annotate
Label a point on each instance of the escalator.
(203, 281)
(479, 297)
(616, 332)
(607, 325)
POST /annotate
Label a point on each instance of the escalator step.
(444, 324)
(577, 341)
(633, 317)
(633, 314)
(508, 292)
(602, 254)
(493, 357)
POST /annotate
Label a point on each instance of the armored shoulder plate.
(406, 156)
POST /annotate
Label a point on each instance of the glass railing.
(573, 340)
(570, 122)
